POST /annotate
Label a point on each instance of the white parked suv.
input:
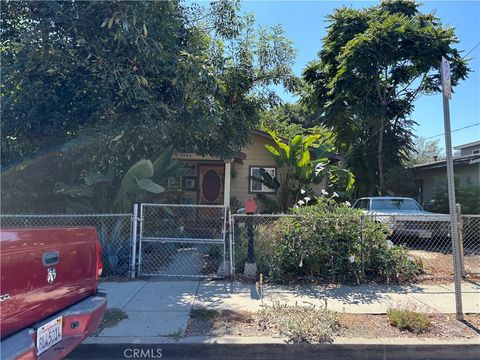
(405, 217)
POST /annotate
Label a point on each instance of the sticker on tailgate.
(49, 334)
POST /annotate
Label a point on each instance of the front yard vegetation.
(327, 241)
(299, 324)
(111, 83)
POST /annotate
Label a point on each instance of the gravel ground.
(204, 322)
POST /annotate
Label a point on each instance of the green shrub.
(325, 241)
(300, 324)
(467, 194)
(263, 244)
(410, 320)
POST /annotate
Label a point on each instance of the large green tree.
(375, 62)
(286, 120)
(120, 80)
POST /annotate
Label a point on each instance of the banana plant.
(298, 170)
(100, 193)
(104, 193)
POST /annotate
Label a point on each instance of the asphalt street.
(275, 351)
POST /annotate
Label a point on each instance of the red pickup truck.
(49, 297)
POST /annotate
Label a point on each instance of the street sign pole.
(446, 94)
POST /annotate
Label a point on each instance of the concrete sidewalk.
(363, 299)
(162, 308)
(154, 308)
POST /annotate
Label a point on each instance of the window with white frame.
(258, 186)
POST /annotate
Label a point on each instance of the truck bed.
(44, 270)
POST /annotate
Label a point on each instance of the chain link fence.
(256, 232)
(428, 238)
(425, 238)
(114, 232)
(189, 240)
(182, 240)
(470, 229)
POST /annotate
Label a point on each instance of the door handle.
(50, 258)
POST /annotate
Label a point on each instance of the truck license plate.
(49, 334)
(425, 234)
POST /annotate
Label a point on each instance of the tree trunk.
(380, 156)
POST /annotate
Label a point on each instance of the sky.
(304, 24)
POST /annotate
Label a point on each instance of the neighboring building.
(429, 177)
(472, 148)
(214, 181)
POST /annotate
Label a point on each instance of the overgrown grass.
(406, 319)
(111, 318)
(203, 314)
(300, 324)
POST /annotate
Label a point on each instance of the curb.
(184, 351)
(267, 340)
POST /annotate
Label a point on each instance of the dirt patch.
(233, 323)
(438, 267)
(378, 326)
(472, 264)
(111, 318)
(207, 322)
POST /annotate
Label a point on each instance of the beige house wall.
(256, 155)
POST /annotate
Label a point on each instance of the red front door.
(211, 184)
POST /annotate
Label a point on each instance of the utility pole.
(447, 94)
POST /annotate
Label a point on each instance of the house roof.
(466, 160)
(264, 134)
(470, 144)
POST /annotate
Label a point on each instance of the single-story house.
(211, 181)
(431, 176)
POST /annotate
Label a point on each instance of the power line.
(465, 127)
(471, 50)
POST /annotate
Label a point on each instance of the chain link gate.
(182, 240)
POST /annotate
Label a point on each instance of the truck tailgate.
(44, 270)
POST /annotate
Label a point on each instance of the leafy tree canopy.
(130, 78)
(374, 64)
(287, 120)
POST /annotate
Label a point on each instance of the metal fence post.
(362, 239)
(230, 239)
(460, 239)
(225, 215)
(133, 263)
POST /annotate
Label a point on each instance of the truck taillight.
(99, 261)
